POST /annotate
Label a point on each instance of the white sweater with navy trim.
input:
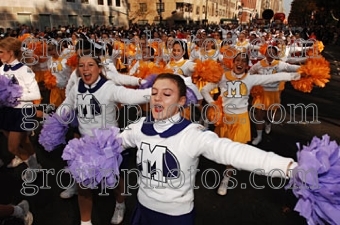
(168, 156)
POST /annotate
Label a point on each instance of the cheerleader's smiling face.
(166, 98)
(89, 69)
(177, 51)
(240, 63)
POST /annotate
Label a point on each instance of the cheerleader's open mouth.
(87, 77)
(239, 69)
(158, 108)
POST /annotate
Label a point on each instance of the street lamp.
(160, 9)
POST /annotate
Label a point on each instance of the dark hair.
(243, 55)
(175, 78)
(273, 48)
(184, 47)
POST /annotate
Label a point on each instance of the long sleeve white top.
(258, 68)
(97, 105)
(26, 79)
(235, 94)
(168, 155)
(111, 73)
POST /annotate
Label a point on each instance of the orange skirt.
(57, 96)
(235, 127)
(39, 76)
(267, 99)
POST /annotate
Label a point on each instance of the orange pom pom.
(72, 61)
(256, 91)
(147, 68)
(316, 72)
(215, 112)
(24, 36)
(208, 70)
(316, 50)
(263, 48)
(50, 80)
(229, 54)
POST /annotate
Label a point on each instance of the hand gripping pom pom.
(10, 92)
(315, 72)
(315, 182)
(208, 70)
(95, 159)
(149, 81)
(191, 97)
(55, 128)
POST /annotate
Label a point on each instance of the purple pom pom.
(10, 92)
(149, 81)
(95, 159)
(53, 132)
(191, 97)
(316, 182)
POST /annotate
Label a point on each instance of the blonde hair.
(12, 44)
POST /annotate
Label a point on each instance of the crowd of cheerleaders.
(298, 49)
(31, 123)
(107, 142)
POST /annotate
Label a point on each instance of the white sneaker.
(223, 188)
(29, 175)
(118, 215)
(28, 217)
(268, 128)
(69, 193)
(257, 140)
(1, 163)
(16, 161)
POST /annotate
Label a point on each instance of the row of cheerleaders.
(224, 76)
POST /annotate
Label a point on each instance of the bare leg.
(85, 203)
(6, 210)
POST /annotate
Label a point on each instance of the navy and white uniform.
(14, 119)
(167, 156)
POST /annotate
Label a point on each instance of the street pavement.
(243, 205)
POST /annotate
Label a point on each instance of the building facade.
(52, 13)
(181, 11)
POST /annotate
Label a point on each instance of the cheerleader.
(12, 119)
(242, 43)
(177, 143)
(235, 86)
(270, 99)
(180, 62)
(110, 69)
(94, 90)
(61, 72)
(181, 65)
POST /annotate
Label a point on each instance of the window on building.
(142, 22)
(203, 9)
(73, 20)
(118, 3)
(197, 10)
(109, 2)
(179, 6)
(24, 18)
(87, 20)
(129, 6)
(71, 0)
(143, 7)
(85, 1)
(44, 20)
(100, 2)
